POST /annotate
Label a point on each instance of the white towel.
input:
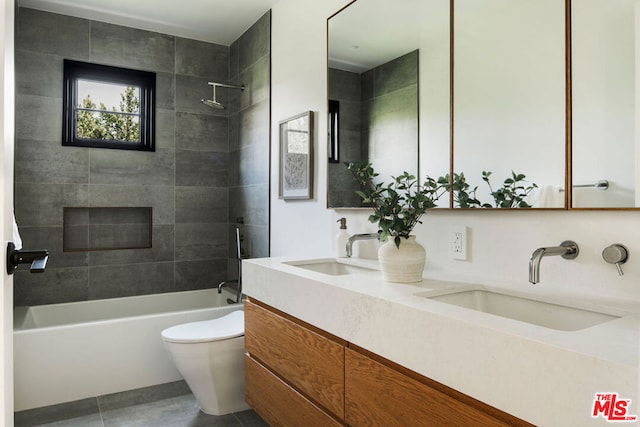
(17, 240)
(546, 196)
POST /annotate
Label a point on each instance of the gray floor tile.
(181, 411)
(250, 419)
(165, 405)
(83, 412)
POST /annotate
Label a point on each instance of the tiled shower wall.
(377, 120)
(186, 180)
(346, 88)
(249, 136)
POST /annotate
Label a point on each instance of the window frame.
(145, 80)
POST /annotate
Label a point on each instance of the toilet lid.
(222, 328)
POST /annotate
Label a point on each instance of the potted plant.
(397, 208)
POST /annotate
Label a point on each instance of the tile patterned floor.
(166, 405)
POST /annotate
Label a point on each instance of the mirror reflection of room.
(509, 98)
(388, 90)
(377, 115)
(604, 94)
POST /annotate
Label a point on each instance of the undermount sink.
(330, 267)
(527, 310)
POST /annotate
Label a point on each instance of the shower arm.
(214, 102)
(216, 84)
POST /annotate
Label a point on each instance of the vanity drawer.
(310, 360)
(379, 393)
(277, 403)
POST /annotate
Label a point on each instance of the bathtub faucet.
(238, 285)
(567, 249)
(223, 284)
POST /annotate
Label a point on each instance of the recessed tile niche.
(106, 228)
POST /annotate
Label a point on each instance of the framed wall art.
(296, 157)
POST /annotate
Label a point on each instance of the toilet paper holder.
(38, 259)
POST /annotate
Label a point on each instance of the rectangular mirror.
(509, 103)
(388, 69)
(604, 95)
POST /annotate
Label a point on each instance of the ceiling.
(215, 21)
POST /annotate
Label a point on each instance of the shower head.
(214, 102)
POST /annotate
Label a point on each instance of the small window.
(108, 107)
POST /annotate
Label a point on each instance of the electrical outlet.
(458, 243)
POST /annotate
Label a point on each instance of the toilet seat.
(222, 328)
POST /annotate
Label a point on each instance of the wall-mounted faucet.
(567, 249)
(38, 259)
(356, 237)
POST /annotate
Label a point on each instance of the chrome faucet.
(355, 237)
(567, 249)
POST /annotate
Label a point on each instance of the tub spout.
(567, 249)
(221, 285)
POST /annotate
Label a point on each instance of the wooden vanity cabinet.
(294, 372)
(381, 393)
(298, 375)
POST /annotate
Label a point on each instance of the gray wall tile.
(201, 241)
(160, 198)
(255, 42)
(201, 205)
(199, 132)
(129, 280)
(166, 91)
(256, 80)
(201, 59)
(249, 165)
(38, 117)
(42, 74)
(165, 130)
(162, 250)
(200, 274)
(248, 202)
(123, 167)
(254, 124)
(201, 169)
(49, 161)
(51, 33)
(40, 204)
(114, 44)
(54, 286)
(186, 180)
(396, 74)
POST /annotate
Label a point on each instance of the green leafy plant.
(512, 194)
(399, 205)
(110, 125)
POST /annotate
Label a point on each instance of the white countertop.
(545, 376)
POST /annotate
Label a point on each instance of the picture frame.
(296, 157)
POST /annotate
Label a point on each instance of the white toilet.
(210, 357)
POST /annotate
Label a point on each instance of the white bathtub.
(71, 351)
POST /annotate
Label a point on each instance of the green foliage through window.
(100, 122)
(108, 107)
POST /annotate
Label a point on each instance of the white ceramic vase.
(402, 264)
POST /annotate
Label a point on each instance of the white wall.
(298, 84)
(500, 243)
